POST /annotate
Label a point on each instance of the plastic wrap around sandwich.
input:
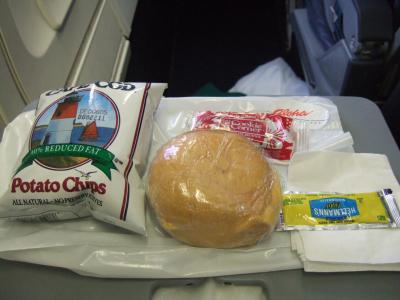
(214, 188)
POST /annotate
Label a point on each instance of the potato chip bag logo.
(74, 129)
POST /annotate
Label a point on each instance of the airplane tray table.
(371, 134)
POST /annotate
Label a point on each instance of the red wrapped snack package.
(273, 133)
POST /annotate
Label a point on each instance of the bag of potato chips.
(85, 155)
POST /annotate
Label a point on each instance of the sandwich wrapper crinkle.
(84, 154)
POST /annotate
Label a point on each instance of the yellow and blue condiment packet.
(316, 211)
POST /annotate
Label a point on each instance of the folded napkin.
(344, 250)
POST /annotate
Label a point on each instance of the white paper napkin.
(345, 250)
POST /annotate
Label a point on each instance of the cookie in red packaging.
(85, 155)
(272, 132)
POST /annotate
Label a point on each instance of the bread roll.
(214, 188)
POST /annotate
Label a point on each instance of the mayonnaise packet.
(85, 155)
(319, 211)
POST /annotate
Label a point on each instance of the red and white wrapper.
(272, 132)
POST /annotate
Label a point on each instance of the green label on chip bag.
(101, 158)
